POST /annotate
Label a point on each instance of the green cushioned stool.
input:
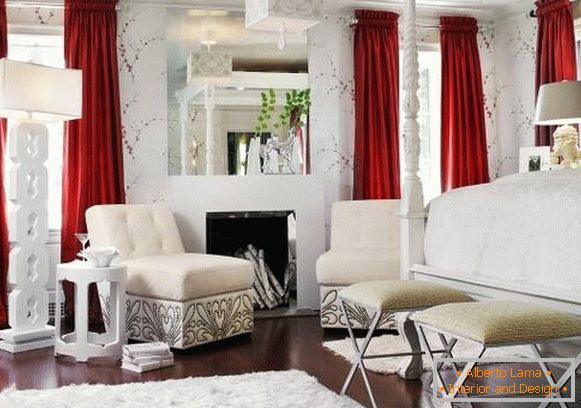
(496, 324)
(385, 297)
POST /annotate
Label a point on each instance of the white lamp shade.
(40, 93)
(292, 16)
(559, 103)
(209, 67)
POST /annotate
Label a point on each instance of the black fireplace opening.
(265, 239)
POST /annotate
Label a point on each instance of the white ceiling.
(490, 7)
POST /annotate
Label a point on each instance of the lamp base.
(14, 341)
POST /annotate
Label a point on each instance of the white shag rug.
(272, 389)
(387, 344)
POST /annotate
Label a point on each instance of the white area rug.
(276, 389)
(387, 344)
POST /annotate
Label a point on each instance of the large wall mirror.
(244, 117)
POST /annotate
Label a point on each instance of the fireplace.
(263, 238)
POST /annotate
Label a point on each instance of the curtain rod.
(354, 21)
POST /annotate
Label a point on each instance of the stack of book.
(146, 357)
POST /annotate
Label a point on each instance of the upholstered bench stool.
(387, 297)
(496, 324)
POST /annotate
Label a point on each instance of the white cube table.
(83, 344)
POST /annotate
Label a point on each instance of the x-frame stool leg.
(360, 353)
(448, 347)
(562, 381)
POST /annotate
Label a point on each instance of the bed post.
(412, 213)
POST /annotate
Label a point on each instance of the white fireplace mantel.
(193, 197)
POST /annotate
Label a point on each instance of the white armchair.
(183, 299)
(364, 247)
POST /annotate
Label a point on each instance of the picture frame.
(532, 159)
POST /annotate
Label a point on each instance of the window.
(45, 50)
(429, 121)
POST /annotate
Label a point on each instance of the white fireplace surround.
(194, 197)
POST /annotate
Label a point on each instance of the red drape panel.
(376, 51)
(464, 150)
(93, 152)
(556, 55)
(4, 244)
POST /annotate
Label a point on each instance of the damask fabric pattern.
(188, 324)
(333, 317)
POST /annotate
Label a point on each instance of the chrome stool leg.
(360, 353)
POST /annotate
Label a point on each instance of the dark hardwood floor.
(276, 344)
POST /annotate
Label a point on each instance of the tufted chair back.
(136, 230)
(368, 225)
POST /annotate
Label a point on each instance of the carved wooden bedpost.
(413, 214)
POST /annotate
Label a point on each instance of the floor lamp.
(33, 95)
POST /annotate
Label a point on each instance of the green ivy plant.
(294, 112)
(266, 110)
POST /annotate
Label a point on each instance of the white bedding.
(521, 229)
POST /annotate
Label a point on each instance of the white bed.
(517, 237)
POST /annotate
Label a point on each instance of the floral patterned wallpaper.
(142, 70)
(35, 16)
(513, 99)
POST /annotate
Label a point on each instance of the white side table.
(83, 344)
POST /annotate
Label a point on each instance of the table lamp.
(559, 103)
(34, 95)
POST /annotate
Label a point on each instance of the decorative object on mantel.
(559, 103)
(146, 357)
(534, 159)
(284, 153)
(33, 106)
(282, 16)
(99, 257)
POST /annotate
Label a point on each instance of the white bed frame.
(413, 214)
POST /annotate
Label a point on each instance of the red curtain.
(93, 152)
(4, 244)
(556, 55)
(376, 54)
(464, 150)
